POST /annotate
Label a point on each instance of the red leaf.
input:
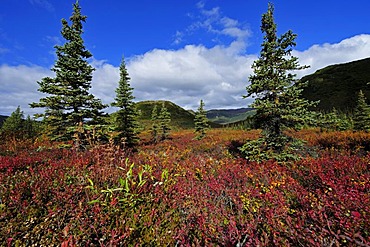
(356, 214)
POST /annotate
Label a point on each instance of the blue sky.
(181, 50)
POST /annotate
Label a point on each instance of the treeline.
(334, 120)
(72, 113)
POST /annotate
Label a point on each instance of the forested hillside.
(180, 118)
(226, 116)
(337, 86)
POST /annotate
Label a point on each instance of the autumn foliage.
(185, 192)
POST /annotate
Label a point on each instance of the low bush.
(182, 192)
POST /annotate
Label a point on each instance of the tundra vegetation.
(80, 178)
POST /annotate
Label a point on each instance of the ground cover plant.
(103, 184)
(186, 192)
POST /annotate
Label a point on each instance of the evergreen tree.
(164, 119)
(69, 105)
(155, 124)
(333, 121)
(160, 123)
(361, 117)
(30, 127)
(201, 122)
(14, 124)
(126, 117)
(16, 127)
(278, 103)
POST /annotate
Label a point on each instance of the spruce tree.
(361, 116)
(278, 103)
(126, 117)
(69, 105)
(164, 119)
(201, 122)
(14, 124)
(30, 127)
(155, 124)
(333, 121)
(16, 127)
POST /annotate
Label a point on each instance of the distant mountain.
(338, 85)
(180, 118)
(184, 119)
(227, 116)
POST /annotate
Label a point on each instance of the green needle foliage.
(361, 117)
(16, 127)
(164, 119)
(126, 117)
(155, 124)
(278, 103)
(334, 121)
(161, 120)
(13, 127)
(201, 122)
(14, 123)
(69, 105)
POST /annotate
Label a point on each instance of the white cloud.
(105, 81)
(319, 56)
(193, 70)
(18, 86)
(228, 22)
(215, 23)
(218, 75)
(178, 38)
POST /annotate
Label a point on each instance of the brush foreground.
(185, 192)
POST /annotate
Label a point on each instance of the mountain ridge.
(229, 116)
(337, 86)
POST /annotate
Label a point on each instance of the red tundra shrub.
(183, 192)
(346, 141)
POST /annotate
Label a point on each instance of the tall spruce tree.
(30, 128)
(164, 119)
(69, 105)
(361, 116)
(278, 103)
(14, 124)
(16, 127)
(155, 125)
(126, 117)
(201, 122)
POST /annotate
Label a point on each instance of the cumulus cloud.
(105, 81)
(18, 87)
(217, 75)
(319, 56)
(214, 75)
